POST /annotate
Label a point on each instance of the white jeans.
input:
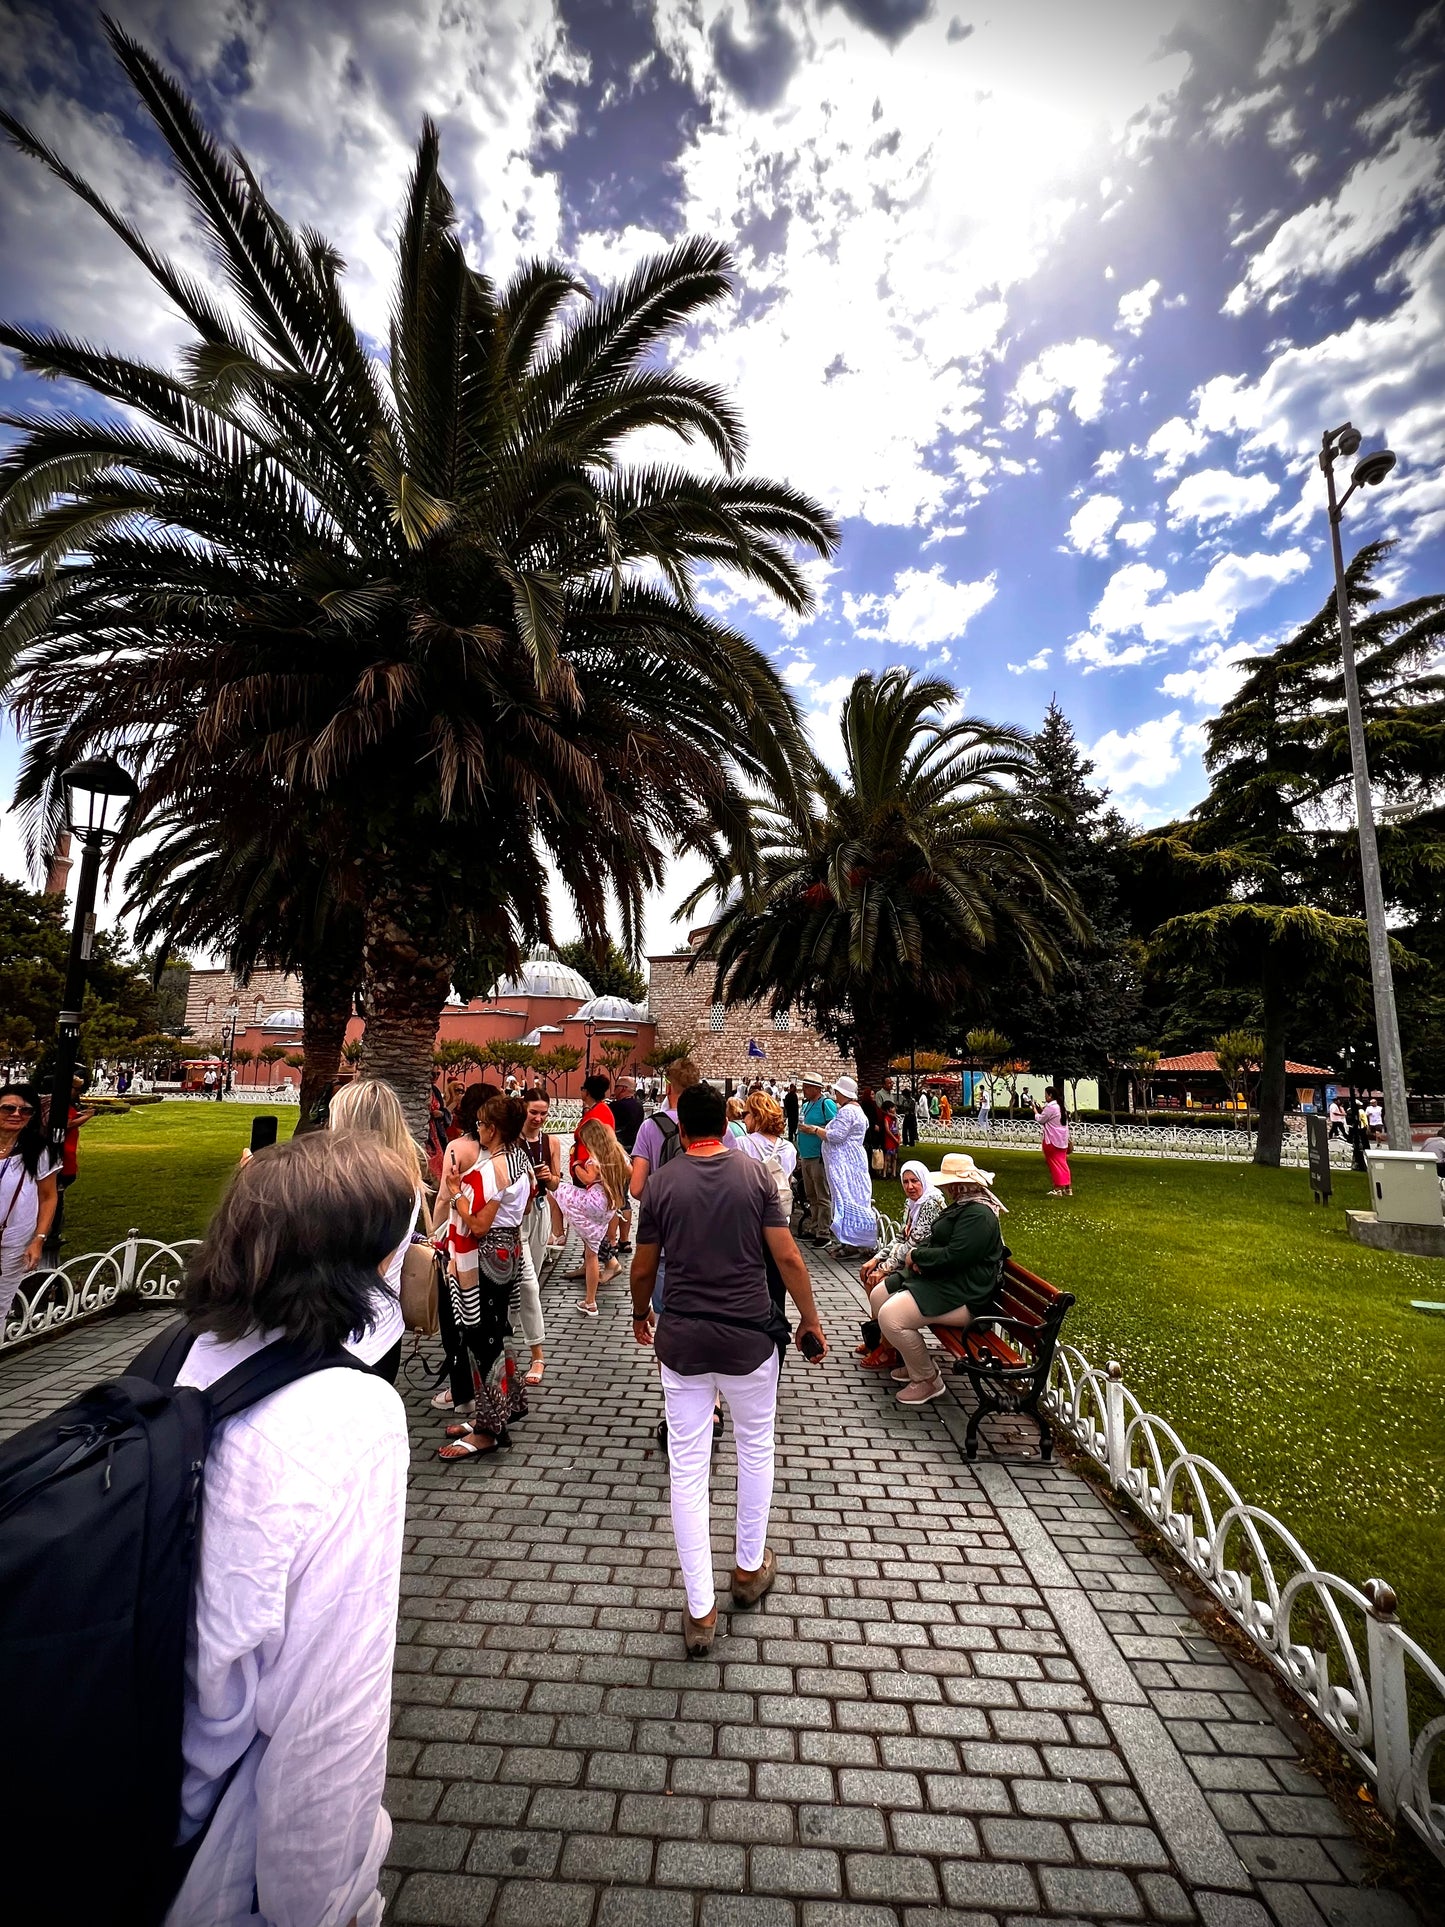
(752, 1402)
(529, 1294)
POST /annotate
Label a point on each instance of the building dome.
(283, 1020)
(610, 1010)
(543, 975)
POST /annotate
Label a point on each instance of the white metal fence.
(140, 1268)
(1340, 1646)
(1131, 1139)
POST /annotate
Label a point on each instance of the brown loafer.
(697, 1634)
(747, 1592)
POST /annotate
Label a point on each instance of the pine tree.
(1086, 1019)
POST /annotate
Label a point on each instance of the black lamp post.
(98, 794)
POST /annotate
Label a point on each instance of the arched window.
(717, 1017)
(210, 1012)
(782, 1020)
(260, 1009)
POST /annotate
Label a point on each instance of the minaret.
(58, 874)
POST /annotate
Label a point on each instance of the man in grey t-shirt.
(715, 1212)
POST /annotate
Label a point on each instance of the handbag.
(875, 1162)
(420, 1286)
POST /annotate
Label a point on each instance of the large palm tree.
(434, 597)
(883, 892)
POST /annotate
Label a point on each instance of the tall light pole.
(1344, 441)
(233, 1017)
(98, 794)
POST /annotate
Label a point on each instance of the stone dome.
(544, 975)
(283, 1020)
(610, 1010)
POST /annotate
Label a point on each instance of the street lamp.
(1369, 472)
(233, 1015)
(98, 794)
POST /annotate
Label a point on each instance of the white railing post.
(127, 1263)
(1389, 1697)
(1114, 1424)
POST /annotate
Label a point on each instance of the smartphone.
(810, 1345)
(263, 1133)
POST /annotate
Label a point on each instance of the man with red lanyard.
(715, 1212)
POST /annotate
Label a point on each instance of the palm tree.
(436, 599)
(882, 892)
(1237, 1053)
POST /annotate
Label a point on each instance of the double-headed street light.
(1368, 472)
(98, 794)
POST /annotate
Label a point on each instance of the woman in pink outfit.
(1055, 1143)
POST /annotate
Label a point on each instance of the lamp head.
(98, 792)
(1348, 441)
(1373, 470)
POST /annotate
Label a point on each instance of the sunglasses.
(16, 1110)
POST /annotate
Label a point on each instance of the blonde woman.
(590, 1198)
(767, 1142)
(368, 1107)
(736, 1127)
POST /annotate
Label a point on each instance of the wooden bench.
(1005, 1354)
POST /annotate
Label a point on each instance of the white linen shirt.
(288, 1668)
(374, 1342)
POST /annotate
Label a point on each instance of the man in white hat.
(850, 1184)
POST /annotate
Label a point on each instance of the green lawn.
(1239, 1310)
(1243, 1314)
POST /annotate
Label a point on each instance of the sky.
(1048, 300)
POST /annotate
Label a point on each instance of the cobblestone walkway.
(970, 1699)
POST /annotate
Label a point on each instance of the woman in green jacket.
(946, 1280)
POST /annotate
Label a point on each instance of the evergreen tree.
(605, 968)
(1086, 1017)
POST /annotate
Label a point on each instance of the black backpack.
(98, 1511)
(671, 1138)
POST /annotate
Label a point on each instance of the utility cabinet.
(1404, 1187)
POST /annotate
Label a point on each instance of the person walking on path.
(542, 1149)
(790, 1111)
(816, 1114)
(948, 1277)
(1055, 1135)
(287, 1693)
(850, 1184)
(908, 1118)
(369, 1108)
(985, 1109)
(715, 1213)
(28, 1189)
(590, 1198)
(628, 1119)
(767, 1143)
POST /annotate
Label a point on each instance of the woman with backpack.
(288, 1679)
(28, 1188)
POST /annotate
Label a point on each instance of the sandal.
(589, 1310)
(464, 1449)
(442, 1401)
(534, 1372)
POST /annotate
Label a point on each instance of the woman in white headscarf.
(922, 1203)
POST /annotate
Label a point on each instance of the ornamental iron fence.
(1340, 1647)
(1132, 1140)
(144, 1270)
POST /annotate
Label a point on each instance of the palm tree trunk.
(1271, 1090)
(406, 987)
(872, 1049)
(327, 993)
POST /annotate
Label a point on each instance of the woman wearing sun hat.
(946, 1279)
(845, 1159)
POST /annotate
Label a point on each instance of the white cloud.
(1132, 604)
(1173, 443)
(1135, 535)
(1040, 661)
(1109, 461)
(922, 610)
(1327, 237)
(1214, 674)
(1090, 524)
(1136, 307)
(1212, 496)
(1078, 369)
(1300, 31)
(1145, 757)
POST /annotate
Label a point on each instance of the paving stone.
(986, 1883)
(1230, 1910)
(751, 1822)
(1116, 1846)
(1275, 1859)
(1032, 1840)
(1359, 1907)
(934, 1833)
(437, 1848)
(797, 1870)
(637, 1907)
(833, 1826)
(1056, 1799)
(534, 1903)
(666, 1819)
(1091, 1890)
(746, 1910)
(444, 1900)
(702, 1864)
(895, 1877)
(1167, 1900)
(606, 1858)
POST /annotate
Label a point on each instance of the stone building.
(268, 994)
(739, 1043)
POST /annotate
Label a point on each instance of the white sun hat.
(846, 1087)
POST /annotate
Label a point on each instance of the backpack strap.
(164, 1356)
(667, 1130)
(271, 1369)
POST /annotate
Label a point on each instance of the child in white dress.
(589, 1199)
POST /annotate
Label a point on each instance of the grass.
(1239, 1310)
(1244, 1314)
